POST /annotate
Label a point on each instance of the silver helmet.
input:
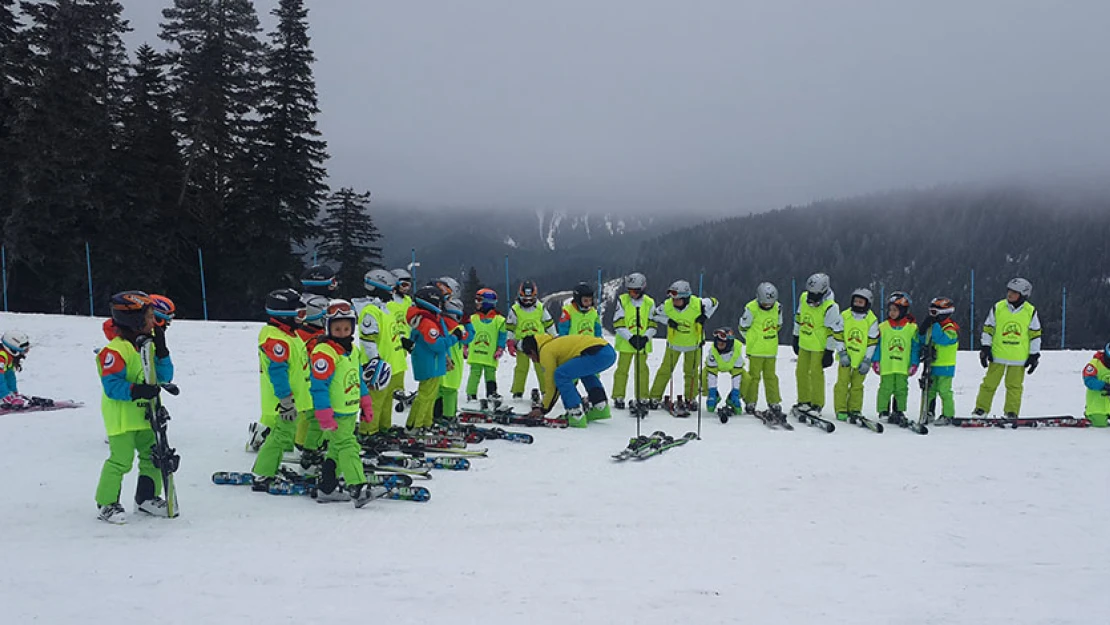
(635, 281)
(766, 294)
(680, 289)
(818, 284)
(379, 280)
(1022, 286)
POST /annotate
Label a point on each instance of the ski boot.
(843, 416)
(517, 396)
(155, 506)
(749, 409)
(112, 513)
(618, 403)
(735, 401)
(575, 418)
(853, 417)
(942, 420)
(725, 412)
(494, 400)
(597, 412)
(261, 484)
(898, 418)
(799, 411)
(471, 398)
(336, 495)
(979, 412)
(712, 400)
(654, 404)
(361, 494)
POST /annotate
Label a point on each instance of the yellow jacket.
(555, 351)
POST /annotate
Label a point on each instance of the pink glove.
(913, 370)
(367, 409)
(875, 367)
(497, 354)
(466, 351)
(14, 401)
(511, 345)
(326, 418)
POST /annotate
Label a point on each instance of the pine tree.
(470, 288)
(290, 173)
(349, 236)
(14, 78)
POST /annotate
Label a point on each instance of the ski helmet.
(285, 304)
(941, 308)
(16, 342)
(163, 310)
(429, 297)
(865, 294)
(582, 290)
(635, 282)
(901, 301)
(379, 280)
(454, 309)
(817, 285)
(448, 285)
(404, 281)
(1021, 286)
(766, 294)
(338, 310)
(485, 299)
(723, 335)
(527, 294)
(130, 309)
(319, 279)
(315, 306)
(378, 376)
(680, 289)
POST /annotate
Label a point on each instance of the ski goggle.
(337, 308)
(899, 300)
(331, 282)
(300, 313)
(673, 294)
(18, 350)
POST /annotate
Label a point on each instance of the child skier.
(486, 329)
(896, 357)
(580, 317)
(283, 363)
(380, 348)
(563, 361)
(14, 346)
(399, 308)
(861, 337)
(818, 334)
(685, 317)
(526, 318)
(431, 342)
(1096, 377)
(124, 406)
(448, 403)
(340, 398)
(759, 330)
(725, 357)
(634, 329)
(1011, 353)
(309, 436)
(939, 338)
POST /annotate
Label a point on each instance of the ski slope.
(747, 525)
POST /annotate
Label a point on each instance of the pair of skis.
(1059, 421)
(395, 487)
(164, 457)
(644, 447)
(41, 404)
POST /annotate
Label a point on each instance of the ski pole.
(636, 374)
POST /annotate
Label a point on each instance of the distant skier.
(685, 317)
(861, 336)
(14, 346)
(943, 336)
(1011, 343)
(1096, 377)
(725, 357)
(580, 316)
(448, 403)
(527, 317)
(124, 406)
(818, 334)
(896, 358)
(340, 398)
(381, 349)
(759, 331)
(634, 331)
(563, 361)
(432, 342)
(486, 344)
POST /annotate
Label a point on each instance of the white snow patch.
(553, 228)
(609, 224)
(511, 242)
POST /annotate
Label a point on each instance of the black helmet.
(130, 308)
(582, 290)
(430, 298)
(319, 279)
(285, 304)
(527, 294)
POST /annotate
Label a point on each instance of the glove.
(845, 359)
(638, 342)
(827, 359)
(326, 419)
(498, 353)
(672, 324)
(923, 381)
(985, 356)
(145, 391)
(701, 319)
(794, 344)
(864, 366)
(511, 346)
(407, 344)
(923, 327)
(287, 409)
(1031, 362)
(367, 413)
(14, 401)
(160, 349)
(913, 370)
(459, 332)
(875, 367)
(17, 362)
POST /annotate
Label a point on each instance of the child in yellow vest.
(896, 358)
(380, 348)
(818, 334)
(759, 331)
(1096, 377)
(580, 316)
(486, 344)
(861, 337)
(448, 404)
(940, 338)
(634, 330)
(1011, 347)
(725, 357)
(527, 317)
(685, 317)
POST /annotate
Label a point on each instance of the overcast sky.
(723, 105)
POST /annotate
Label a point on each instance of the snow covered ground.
(747, 525)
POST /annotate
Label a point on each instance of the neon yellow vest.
(726, 364)
(124, 416)
(896, 345)
(344, 390)
(763, 336)
(298, 374)
(453, 379)
(855, 335)
(387, 340)
(528, 322)
(1011, 339)
(401, 330)
(688, 333)
(813, 336)
(646, 306)
(581, 323)
(1097, 403)
(483, 343)
(946, 354)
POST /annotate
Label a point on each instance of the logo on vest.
(1011, 331)
(897, 347)
(855, 336)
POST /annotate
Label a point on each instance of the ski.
(678, 408)
(504, 435)
(501, 417)
(864, 422)
(773, 420)
(449, 463)
(1059, 421)
(636, 444)
(664, 445)
(236, 478)
(42, 404)
(416, 472)
(725, 412)
(164, 457)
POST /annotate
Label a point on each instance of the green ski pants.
(520, 373)
(422, 414)
(761, 368)
(476, 374)
(1015, 382)
(620, 376)
(121, 456)
(848, 392)
(810, 378)
(942, 386)
(278, 441)
(344, 449)
(666, 369)
(895, 385)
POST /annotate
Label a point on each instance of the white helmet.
(766, 294)
(339, 309)
(1022, 286)
(818, 284)
(451, 284)
(401, 274)
(865, 294)
(680, 289)
(16, 342)
(379, 280)
(315, 305)
(454, 308)
(635, 281)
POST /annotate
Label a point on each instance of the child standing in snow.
(580, 317)
(526, 318)
(1096, 377)
(861, 337)
(896, 358)
(431, 343)
(448, 402)
(486, 329)
(124, 406)
(940, 337)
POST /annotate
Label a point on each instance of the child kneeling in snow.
(13, 349)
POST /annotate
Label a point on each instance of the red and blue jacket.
(431, 342)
